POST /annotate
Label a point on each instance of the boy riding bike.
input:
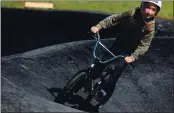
(136, 31)
(136, 28)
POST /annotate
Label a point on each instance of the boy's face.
(149, 10)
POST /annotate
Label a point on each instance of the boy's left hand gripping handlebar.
(95, 35)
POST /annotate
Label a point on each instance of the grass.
(102, 6)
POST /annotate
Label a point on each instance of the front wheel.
(72, 87)
(76, 82)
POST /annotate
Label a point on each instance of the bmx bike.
(96, 80)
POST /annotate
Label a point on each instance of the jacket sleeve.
(114, 19)
(144, 44)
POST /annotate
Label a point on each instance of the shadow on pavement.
(76, 100)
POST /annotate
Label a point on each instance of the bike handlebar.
(97, 37)
(98, 42)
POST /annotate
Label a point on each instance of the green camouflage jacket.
(137, 33)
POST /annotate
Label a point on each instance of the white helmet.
(157, 3)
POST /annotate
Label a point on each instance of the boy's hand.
(94, 29)
(129, 59)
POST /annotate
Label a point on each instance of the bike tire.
(69, 88)
(76, 81)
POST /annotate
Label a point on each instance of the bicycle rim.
(76, 81)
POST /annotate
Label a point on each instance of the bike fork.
(89, 85)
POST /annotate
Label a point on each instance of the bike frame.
(93, 69)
